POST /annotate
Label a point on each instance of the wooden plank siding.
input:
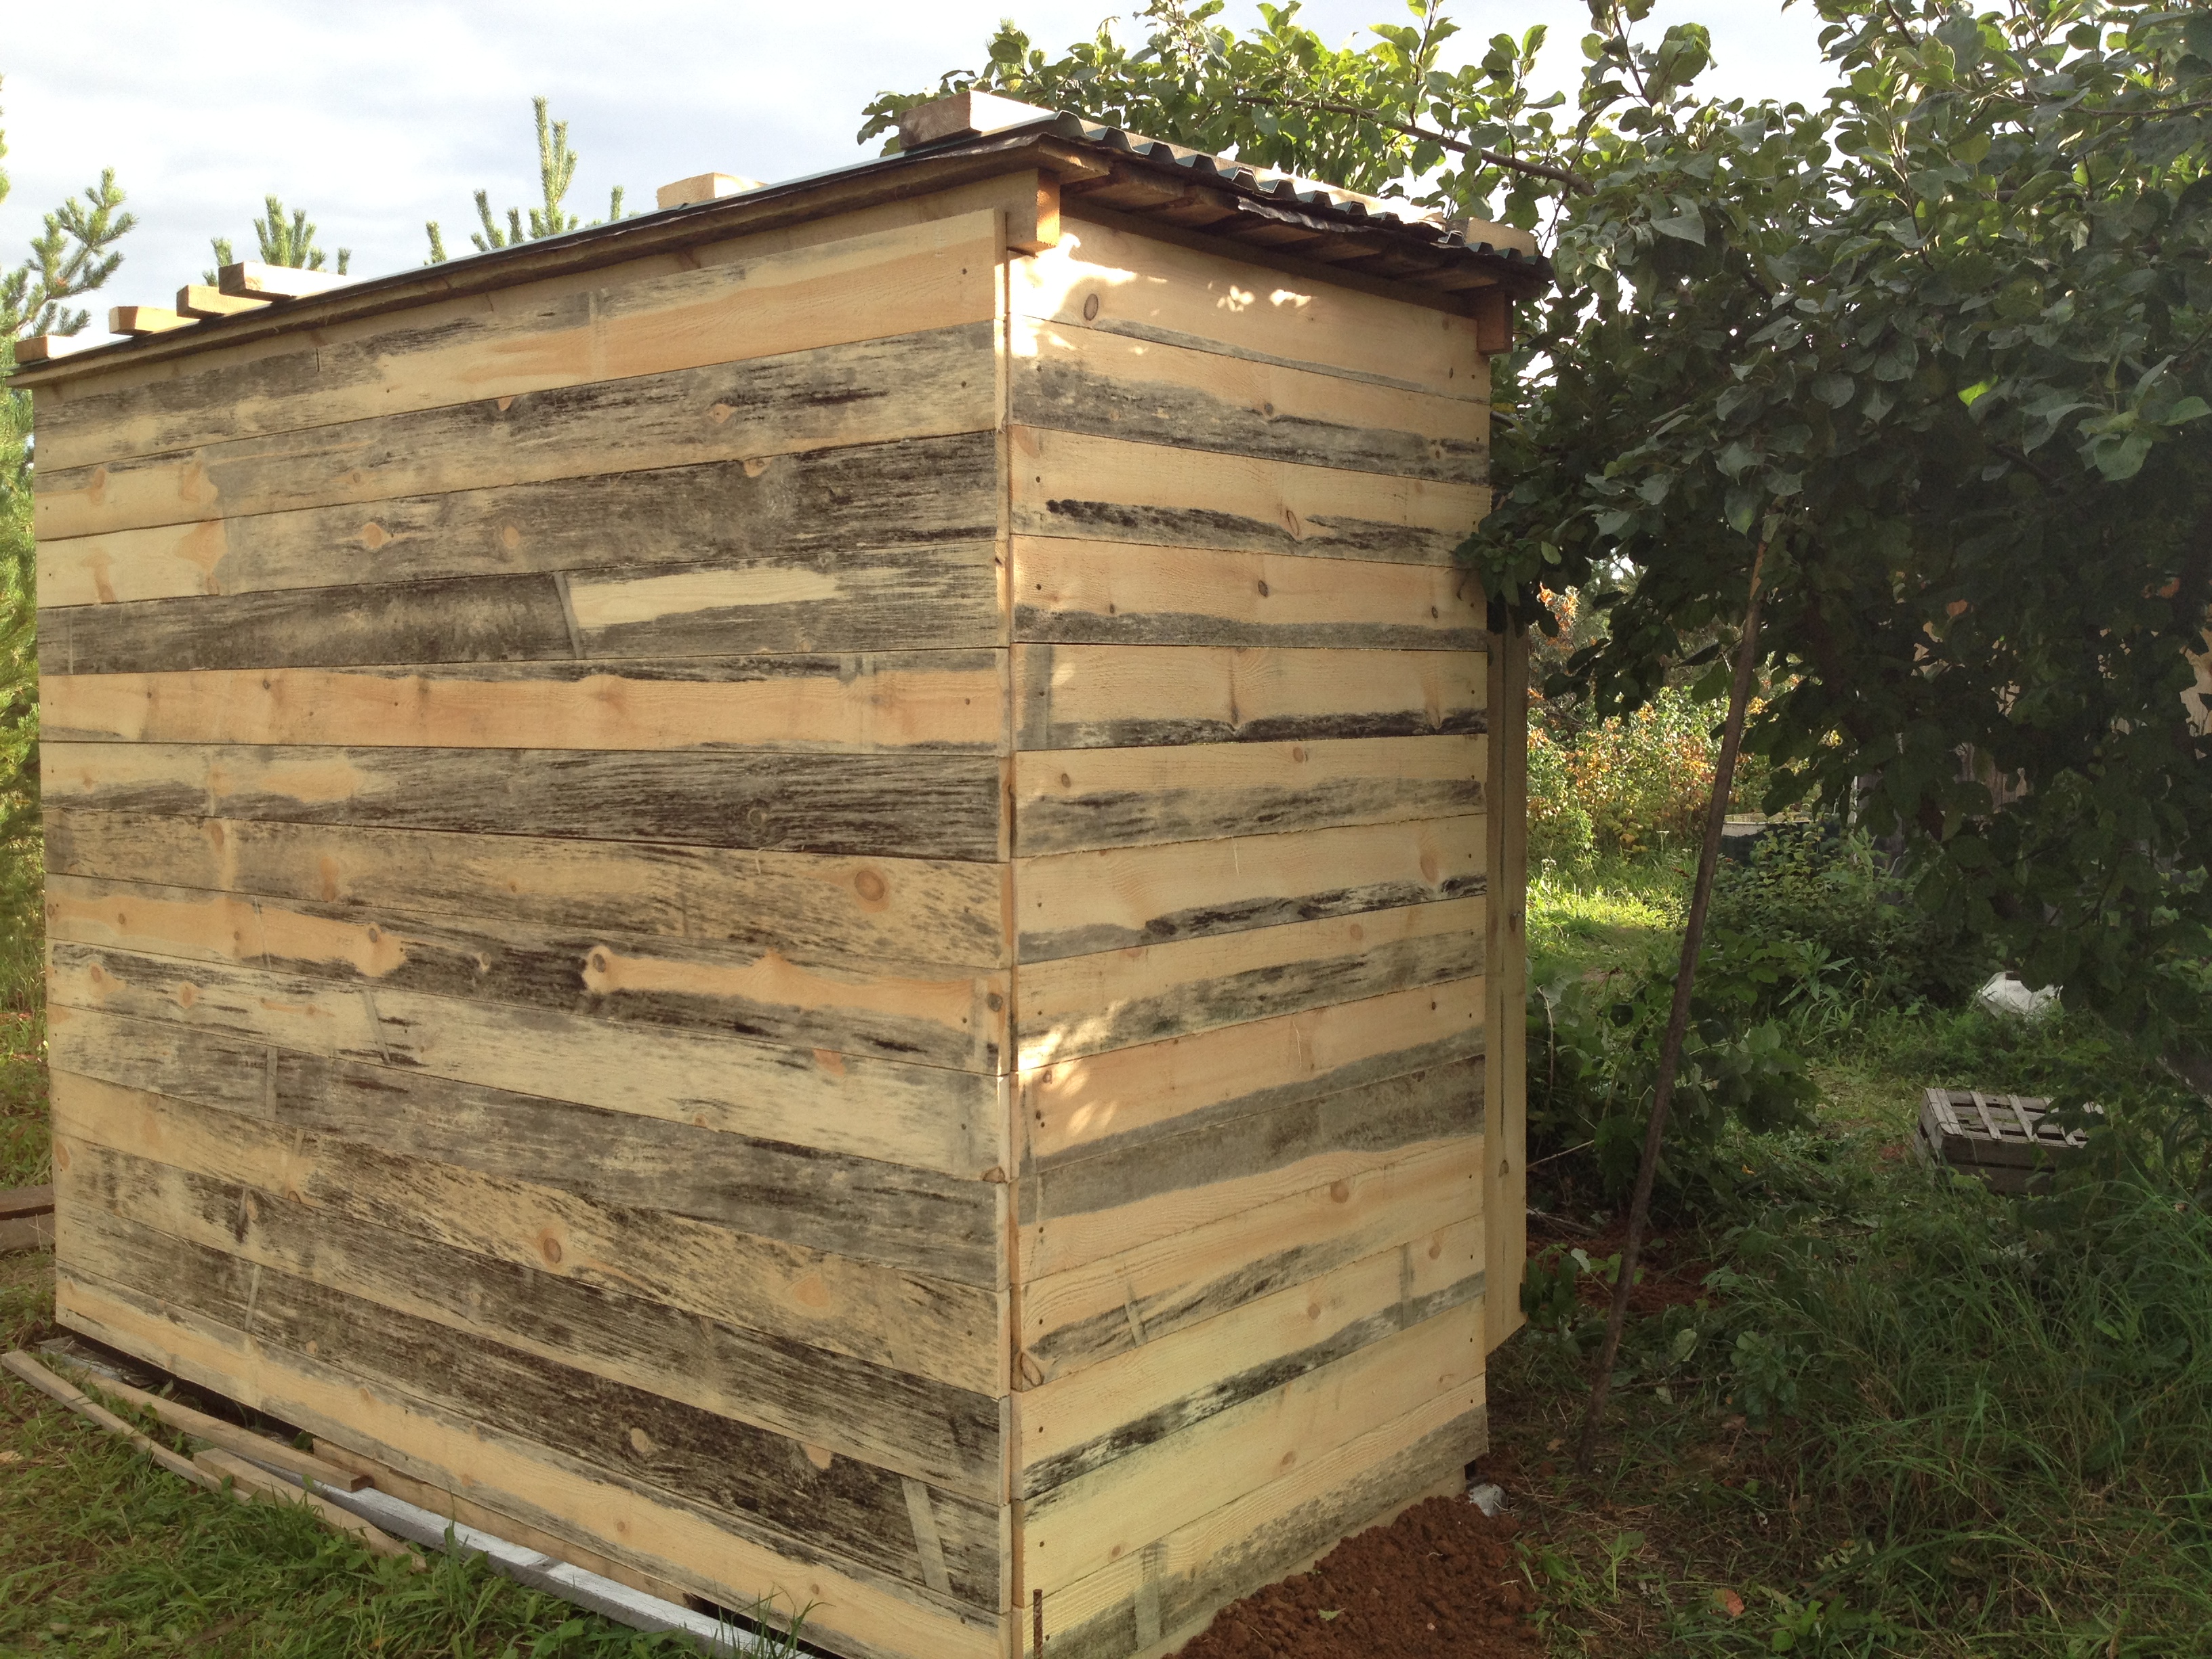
(834, 917)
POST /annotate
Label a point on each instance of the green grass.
(1606, 913)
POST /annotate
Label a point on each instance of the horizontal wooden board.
(687, 612)
(862, 1258)
(889, 1263)
(629, 321)
(1078, 1005)
(1130, 1097)
(1076, 379)
(1066, 484)
(1176, 1583)
(869, 1416)
(1112, 697)
(1069, 799)
(1073, 903)
(913, 806)
(808, 527)
(1086, 1418)
(924, 1116)
(1104, 593)
(903, 909)
(907, 1012)
(1085, 1524)
(1122, 1302)
(1154, 290)
(939, 700)
(518, 1474)
(1080, 1211)
(913, 385)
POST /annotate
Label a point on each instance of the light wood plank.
(1085, 1525)
(924, 1116)
(538, 1483)
(1081, 1107)
(729, 304)
(1155, 291)
(898, 1265)
(1176, 1583)
(1084, 1419)
(1077, 379)
(940, 700)
(1074, 903)
(911, 1012)
(231, 1236)
(1067, 484)
(1106, 593)
(204, 299)
(808, 526)
(1070, 799)
(903, 909)
(1506, 1187)
(1112, 697)
(145, 319)
(1078, 1005)
(913, 806)
(913, 386)
(1118, 1201)
(1122, 1302)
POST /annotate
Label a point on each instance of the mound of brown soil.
(1443, 1579)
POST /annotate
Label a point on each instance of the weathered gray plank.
(910, 1012)
(897, 908)
(937, 1236)
(521, 1352)
(811, 518)
(916, 386)
(924, 1116)
(919, 805)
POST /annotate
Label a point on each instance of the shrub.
(1628, 783)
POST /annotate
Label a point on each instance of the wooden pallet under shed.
(2006, 1142)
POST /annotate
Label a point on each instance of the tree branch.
(1573, 181)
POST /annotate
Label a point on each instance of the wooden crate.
(815, 893)
(2006, 1142)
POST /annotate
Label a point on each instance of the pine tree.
(557, 170)
(283, 242)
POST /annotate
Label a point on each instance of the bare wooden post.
(1678, 1019)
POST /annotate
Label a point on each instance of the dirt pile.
(1440, 1580)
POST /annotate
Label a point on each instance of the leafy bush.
(1628, 783)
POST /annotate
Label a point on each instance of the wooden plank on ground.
(823, 567)
(924, 1116)
(1078, 1006)
(1080, 1108)
(1112, 697)
(1174, 1584)
(1067, 799)
(263, 1449)
(1121, 1302)
(696, 1550)
(937, 700)
(1066, 484)
(231, 1237)
(912, 1011)
(913, 385)
(1086, 1418)
(1117, 1201)
(1085, 1524)
(1105, 593)
(248, 1482)
(911, 805)
(1154, 290)
(1076, 379)
(1073, 903)
(641, 317)
(903, 909)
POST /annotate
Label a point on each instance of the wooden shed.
(818, 894)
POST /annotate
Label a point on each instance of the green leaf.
(1742, 507)
(1688, 226)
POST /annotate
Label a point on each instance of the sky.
(375, 118)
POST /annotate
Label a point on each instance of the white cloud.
(375, 119)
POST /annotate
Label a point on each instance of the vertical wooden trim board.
(839, 919)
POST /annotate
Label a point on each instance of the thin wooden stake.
(1678, 1020)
